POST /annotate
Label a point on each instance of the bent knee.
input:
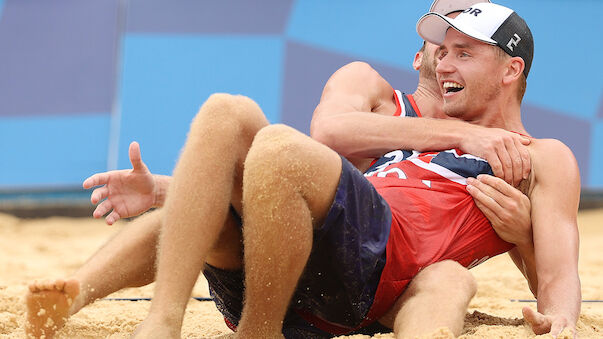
(445, 275)
(226, 111)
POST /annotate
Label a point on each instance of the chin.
(453, 112)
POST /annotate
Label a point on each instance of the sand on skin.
(55, 247)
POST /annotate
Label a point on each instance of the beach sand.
(55, 247)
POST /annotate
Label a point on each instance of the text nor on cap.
(487, 22)
(446, 7)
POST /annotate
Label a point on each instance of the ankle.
(165, 318)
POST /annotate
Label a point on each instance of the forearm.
(370, 135)
(162, 182)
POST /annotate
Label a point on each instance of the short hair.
(523, 83)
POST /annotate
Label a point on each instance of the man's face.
(468, 74)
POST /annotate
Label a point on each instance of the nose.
(444, 64)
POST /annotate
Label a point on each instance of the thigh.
(227, 252)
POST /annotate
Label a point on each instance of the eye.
(442, 54)
(464, 55)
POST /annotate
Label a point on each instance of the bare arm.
(555, 196)
(345, 120)
(547, 252)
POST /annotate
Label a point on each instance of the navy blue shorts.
(340, 280)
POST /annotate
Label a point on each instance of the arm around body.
(345, 120)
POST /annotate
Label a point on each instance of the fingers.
(524, 140)
(475, 188)
(496, 165)
(507, 163)
(495, 187)
(487, 193)
(135, 157)
(112, 217)
(539, 323)
(526, 160)
(96, 180)
(482, 201)
(102, 209)
(99, 194)
(516, 160)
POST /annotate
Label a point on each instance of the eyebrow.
(461, 45)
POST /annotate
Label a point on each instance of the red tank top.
(433, 218)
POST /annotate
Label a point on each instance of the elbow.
(323, 133)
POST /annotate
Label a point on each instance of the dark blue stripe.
(465, 167)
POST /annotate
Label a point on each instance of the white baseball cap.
(487, 22)
(446, 7)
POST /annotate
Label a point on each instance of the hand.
(128, 192)
(542, 324)
(505, 206)
(505, 151)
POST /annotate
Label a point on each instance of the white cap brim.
(432, 27)
(445, 7)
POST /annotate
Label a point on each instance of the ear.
(513, 70)
(416, 64)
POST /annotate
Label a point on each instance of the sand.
(56, 247)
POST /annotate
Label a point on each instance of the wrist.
(462, 134)
(160, 191)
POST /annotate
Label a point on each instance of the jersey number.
(396, 156)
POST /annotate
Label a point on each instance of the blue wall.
(79, 80)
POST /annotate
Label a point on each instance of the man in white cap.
(494, 40)
(140, 237)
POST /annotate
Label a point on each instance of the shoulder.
(553, 163)
(359, 75)
(551, 151)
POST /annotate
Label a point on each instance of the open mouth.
(452, 87)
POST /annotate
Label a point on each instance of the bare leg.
(126, 260)
(436, 298)
(207, 180)
(289, 185)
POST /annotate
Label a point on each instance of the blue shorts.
(343, 271)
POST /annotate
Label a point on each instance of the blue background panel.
(63, 59)
(53, 151)
(596, 172)
(167, 78)
(382, 30)
(194, 16)
(57, 57)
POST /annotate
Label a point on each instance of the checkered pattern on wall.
(79, 80)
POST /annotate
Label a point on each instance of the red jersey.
(433, 216)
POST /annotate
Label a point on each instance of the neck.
(505, 114)
(429, 101)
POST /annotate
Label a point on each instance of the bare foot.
(48, 306)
